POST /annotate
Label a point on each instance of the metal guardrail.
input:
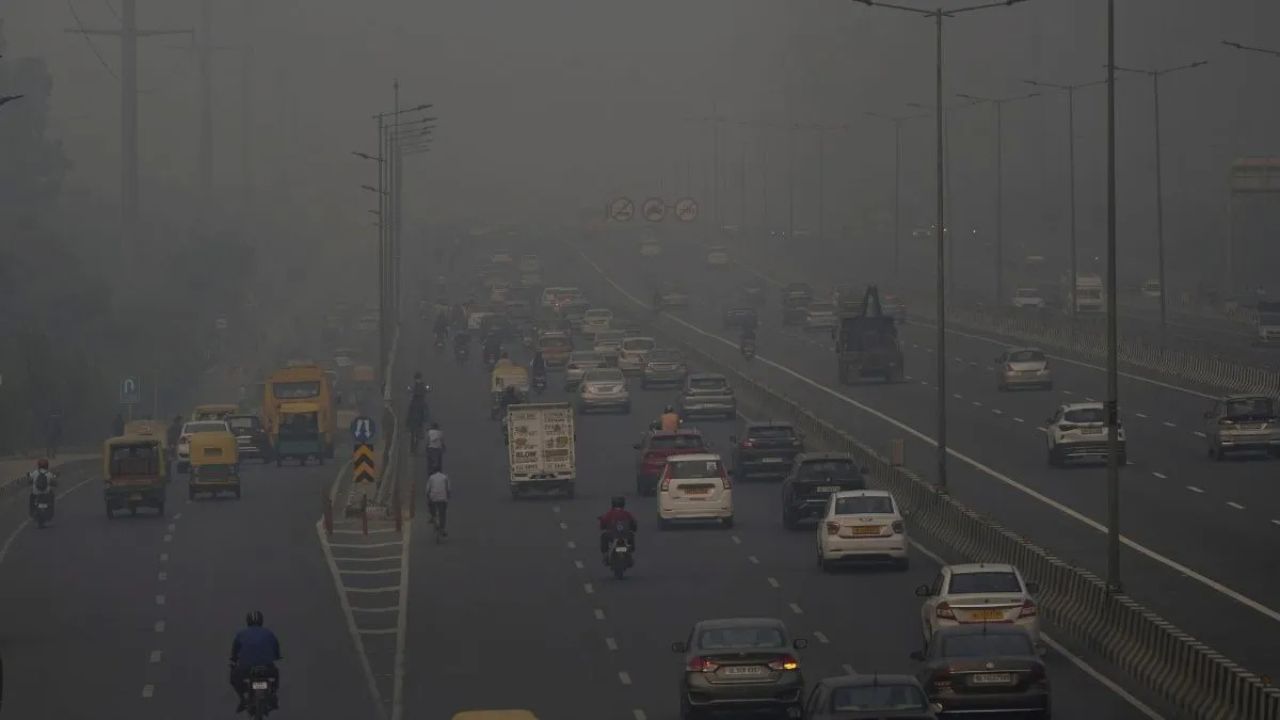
(1194, 679)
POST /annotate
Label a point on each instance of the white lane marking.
(156, 655)
(168, 538)
(1042, 428)
(379, 558)
(599, 614)
(564, 526)
(1233, 504)
(820, 637)
(848, 669)
(173, 526)
(162, 576)
(1168, 424)
(638, 714)
(379, 631)
(996, 411)
(796, 609)
(388, 608)
(164, 557)
(981, 467)
(624, 678)
(908, 378)
(371, 531)
(1019, 420)
(1141, 415)
(1197, 433)
(177, 516)
(588, 589)
(1067, 392)
(977, 404)
(773, 582)
(1195, 489)
(753, 559)
(159, 599)
(572, 545)
(1089, 399)
(148, 690)
(973, 364)
(1275, 522)
(4, 549)
(1162, 476)
(578, 564)
(957, 396)
(736, 540)
(159, 626)
(611, 643)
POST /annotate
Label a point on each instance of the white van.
(695, 487)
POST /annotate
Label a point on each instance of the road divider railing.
(1190, 676)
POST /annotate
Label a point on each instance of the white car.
(1079, 430)
(1151, 289)
(632, 352)
(607, 344)
(580, 361)
(820, 316)
(603, 389)
(191, 428)
(862, 525)
(718, 256)
(596, 320)
(979, 593)
(695, 487)
(1028, 298)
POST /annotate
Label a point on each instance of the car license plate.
(773, 460)
(741, 670)
(991, 678)
(988, 614)
(259, 685)
(696, 490)
(866, 530)
(827, 488)
(1091, 431)
(621, 549)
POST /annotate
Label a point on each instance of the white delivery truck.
(540, 440)
(1089, 295)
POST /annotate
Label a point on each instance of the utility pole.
(204, 45)
(1113, 384)
(742, 184)
(791, 182)
(897, 181)
(129, 174)
(246, 116)
(715, 165)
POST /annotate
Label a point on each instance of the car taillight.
(701, 664)
(944, 611)
(746, 444)
(833, 528)
(785, 662)
(898, 527)
(1028, 609)
(666, 479)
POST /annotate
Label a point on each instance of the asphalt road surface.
(517, 610)
(1200, 530)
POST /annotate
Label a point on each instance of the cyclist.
(438, 491)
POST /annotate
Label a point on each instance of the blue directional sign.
(130, 391)
(363, 429)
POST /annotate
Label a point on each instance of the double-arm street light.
(938, 15)
(1155, 76)
(1251, 48)
(897, 121)
(999, 104)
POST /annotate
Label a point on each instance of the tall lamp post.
(1229, 269)
(1070, 90)
(999, 104)
(938, 15)
(897, 121)
(1155, 76)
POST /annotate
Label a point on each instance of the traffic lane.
(1180, 599)
(497, 616)
(230, 556)
(79, 602)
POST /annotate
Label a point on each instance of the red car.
(654, 449)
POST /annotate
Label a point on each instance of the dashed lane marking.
(148, 690)
(162, 576)
(159, 626)
(164, 557)
(796, 609)
(773, 582)
(4, 549)
(1197, 433)
(588, 589)
(572, 545)
(1235, 505)
(1019, 420)
(178, 516)
(564, 526)
(1275, 522)
(611, 643)
(1195, 489)
(996, 411)
(638, 714)
(753, 559)
(977, 404)
(156, 655)
(555, 509)
(1089, 399)
(957, 396)
(578, 564)
(1168, 424)
(1142, 415)
(599, 614)
(624, 677)
(379, 631)
(159, 599)
(173, 527)
(168, 538)
(736, 540)
(388, 608)
(820, 637)
(1162, 476)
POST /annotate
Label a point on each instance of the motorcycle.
(539, 383)
(748, 349)
(461, 351)
(620, 556)
(439, 342)
(42, 500)
(261, 696)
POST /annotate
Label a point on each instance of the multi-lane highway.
(516, 609)
(1200, 534)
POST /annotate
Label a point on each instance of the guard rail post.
(364, 515)
(327, 508)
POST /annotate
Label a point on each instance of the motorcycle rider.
(42, 482)
(670, 420)
(747, 342)
(435, 448)
(538, 368)
(492, 347)
(609, 522)
(254, 646)
(461, 343)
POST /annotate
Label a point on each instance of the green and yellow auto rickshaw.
(297, 433)
(215, 465)
(134, 472)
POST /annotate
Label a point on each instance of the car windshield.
(676, 442)
(243, 423)
(822, 307)
(693, 469)
(976, 583)
(1026, 356)
(771, 432)
(828, 468)
(1250, 407)
(714, 383)
(585, 358)
(209, 426)
(640, 344)
(740, 637)
(986, 645)
(603, 375)
(869, 505)
(883, 698)
(665, 356)
(1084, 415)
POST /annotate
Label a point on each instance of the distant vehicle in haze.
(1152, 289)
(820, 316)
(867, 344)
(1268, 322)
(1028, 298)
(1023, 367)
(1242, 423)
(718, 256)
(1088, 297)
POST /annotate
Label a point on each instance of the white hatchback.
(979, 593)
(695, 487)
(862, 525)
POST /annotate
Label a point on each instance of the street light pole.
(1229, 245)
(1113, 385)
(897, 181)
(1155, 90)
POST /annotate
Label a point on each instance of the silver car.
(821, 316)
(707, 394)
(663, 367)
(606, 345)
(580, 361)
(1023, 368)
(603, 389)
(1242, 423)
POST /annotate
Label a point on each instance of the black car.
(740, 664)
(252, 440)
(795, 310)
(766, 448)
(740, 317)
(813, 479)
(982, 667)
(868, 697)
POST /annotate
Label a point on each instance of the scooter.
(261, 698)
(42, 512)
(461, 352)
(620, 557)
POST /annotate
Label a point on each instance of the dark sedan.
(813, 479)
(766, 448)
(980, 668)
(252, 440)
(869, 697)
(740, 665)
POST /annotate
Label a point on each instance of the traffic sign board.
(363, 429)
(686, 209)
(654, 209)
(362, 467)
(622, 210)
(220, 323)
(130, 391)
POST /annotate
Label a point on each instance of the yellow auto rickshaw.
(507, 374)
(134, 472)
(214, 411)
(215, 465)
(495, 715)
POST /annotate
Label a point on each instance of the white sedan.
(979, 593)
(862, 525)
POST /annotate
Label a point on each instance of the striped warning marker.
(362, 465)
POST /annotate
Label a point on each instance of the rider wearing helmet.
(254, 647)
(609, 523)
(42, 482)
(670, 421)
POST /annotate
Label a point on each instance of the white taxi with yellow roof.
(862, 526)
(979, 593)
